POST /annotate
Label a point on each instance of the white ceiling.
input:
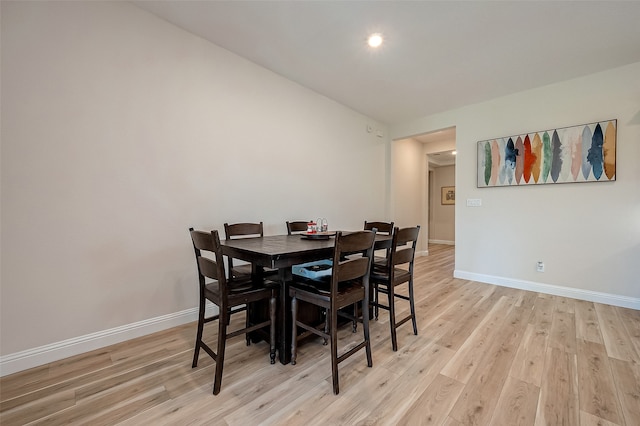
(437, 55)
(443, 158)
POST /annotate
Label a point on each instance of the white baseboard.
(447, 242)
(30, 358)
(574, 293)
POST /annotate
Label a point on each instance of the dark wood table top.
(281, 251)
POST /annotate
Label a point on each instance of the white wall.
(587, 234)
(119, 131)
(409, 182)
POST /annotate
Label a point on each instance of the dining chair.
(347, 285)
(229, 300)
(243, 230)
(296, 226)
(398, 271)
(384, 228)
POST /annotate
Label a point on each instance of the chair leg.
(222, 340)
(365, 327)
(413, 308)
(334, 349)
(196, 351)
(325, 342)
(392, 317)
(354, 324)
(272, 328)
(247, 323)
(294, 329)
(375, 301)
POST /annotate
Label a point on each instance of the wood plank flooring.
(485, 355)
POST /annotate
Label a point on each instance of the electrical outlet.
(540, 266)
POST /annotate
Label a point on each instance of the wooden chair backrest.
(296, 226)
(243, 230)
(385, 228)
(208, 267)
(403, 246)
(352, 258)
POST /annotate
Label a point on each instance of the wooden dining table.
(281, 252)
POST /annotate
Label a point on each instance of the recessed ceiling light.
(375, 40)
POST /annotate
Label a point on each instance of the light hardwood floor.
(484, 355)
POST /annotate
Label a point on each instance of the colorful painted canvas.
(584, 153)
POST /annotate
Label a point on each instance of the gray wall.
(119, 132)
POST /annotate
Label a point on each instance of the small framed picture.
(448, 195)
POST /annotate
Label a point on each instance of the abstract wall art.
(584, 153)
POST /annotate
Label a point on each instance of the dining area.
(114, 143)
(311, 281)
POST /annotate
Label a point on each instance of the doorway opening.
(420, 166)
(439, 147)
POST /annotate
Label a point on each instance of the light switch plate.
(474, 202)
